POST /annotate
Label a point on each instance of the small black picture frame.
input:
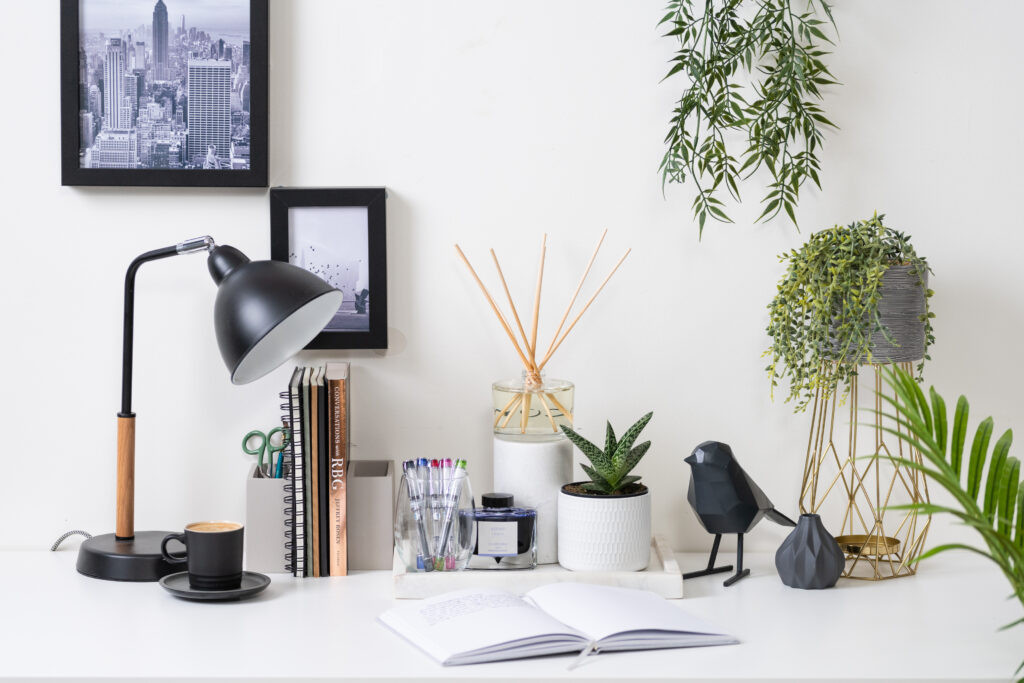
(72, 172)
(355, 263)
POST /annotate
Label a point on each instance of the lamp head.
(266, 311)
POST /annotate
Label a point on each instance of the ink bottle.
(506, 536)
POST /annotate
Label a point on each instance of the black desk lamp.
(265, 312)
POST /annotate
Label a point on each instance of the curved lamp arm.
(125, 528)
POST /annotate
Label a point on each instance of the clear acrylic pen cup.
(418, 531)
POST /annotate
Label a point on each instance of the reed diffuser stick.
(494, 307)
(508, 405)
(536, 300)
(512, 410)
(551, 418)
(547, 357)
(508, 295)
(568, 309)
(521, 402)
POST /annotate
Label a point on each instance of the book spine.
(339, 442)
(298, 491)
(325, 489)
(315, 474)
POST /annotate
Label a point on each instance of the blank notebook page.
(602, 611)
(468, 620)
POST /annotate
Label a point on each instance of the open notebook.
(486, 625)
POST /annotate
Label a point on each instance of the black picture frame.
(254, 176)
(374, 200)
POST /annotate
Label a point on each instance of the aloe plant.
(992, 503)
(610, 468)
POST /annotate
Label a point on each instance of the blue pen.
(415, 491)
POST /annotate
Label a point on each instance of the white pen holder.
(533, 469)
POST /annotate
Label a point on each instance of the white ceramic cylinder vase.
(604, 533)
(533, 469)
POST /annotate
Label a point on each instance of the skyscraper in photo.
(113, 85)
(183, 23)
(246, 53)
(86, 129)
(160, 41)
(209, 109)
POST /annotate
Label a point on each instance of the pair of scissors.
(267, 448)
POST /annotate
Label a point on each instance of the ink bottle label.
(497, 539)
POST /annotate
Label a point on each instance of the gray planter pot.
(810, 558)
(901, 308)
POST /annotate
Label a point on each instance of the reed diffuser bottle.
(532, 458)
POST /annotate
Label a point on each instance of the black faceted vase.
(810, 557)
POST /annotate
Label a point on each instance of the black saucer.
(252, 583)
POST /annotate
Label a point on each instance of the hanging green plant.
(827, 316)
(779, 48)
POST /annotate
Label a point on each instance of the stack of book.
(319, 452)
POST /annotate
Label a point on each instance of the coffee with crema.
(208, 527)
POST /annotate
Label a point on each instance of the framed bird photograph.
(164, 92)
(338, 234)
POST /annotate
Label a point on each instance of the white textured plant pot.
(533, 469)
(604, 533)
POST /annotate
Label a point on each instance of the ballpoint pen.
(416, 503)
(436, 493)
(451, 505)
(447, 472)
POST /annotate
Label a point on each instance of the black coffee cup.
(213, 554)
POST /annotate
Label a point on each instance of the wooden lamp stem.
(125, 528)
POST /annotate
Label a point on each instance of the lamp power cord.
(67, 535)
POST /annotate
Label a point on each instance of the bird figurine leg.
(740, 571)
(712, 569)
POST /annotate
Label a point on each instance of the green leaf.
(609, 438)
(593, 453)
(634, 457)
(956, 453)
(995, 473)
(939, 419)
(1008, 494)
(618, 458)
(596, 477)
(979, 451)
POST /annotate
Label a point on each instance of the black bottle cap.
(497, 500)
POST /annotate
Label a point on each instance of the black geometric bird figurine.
(727, 501)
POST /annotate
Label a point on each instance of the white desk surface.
(938, 625)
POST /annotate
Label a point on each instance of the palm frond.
(990, 500)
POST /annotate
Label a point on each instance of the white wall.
(492, 123)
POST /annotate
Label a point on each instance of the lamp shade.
(266, 311)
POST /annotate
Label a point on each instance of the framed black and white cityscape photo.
(340, 235)
(164, 92)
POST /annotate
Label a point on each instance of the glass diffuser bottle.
(532, 405)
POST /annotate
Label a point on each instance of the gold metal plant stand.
(840, 483)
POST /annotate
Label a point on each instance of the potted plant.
(851, 295)
(604, 524)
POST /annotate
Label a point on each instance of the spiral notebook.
(295, 544)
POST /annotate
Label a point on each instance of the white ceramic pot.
(604, 533)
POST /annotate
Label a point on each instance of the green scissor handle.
(266, 448)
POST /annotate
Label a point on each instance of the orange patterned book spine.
(337, 403)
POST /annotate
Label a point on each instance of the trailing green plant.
(778, 44)
(825, 310)
(992, 503)
(610, 468)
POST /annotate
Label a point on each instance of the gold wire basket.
(879, 542)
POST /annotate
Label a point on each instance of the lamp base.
(139, 559)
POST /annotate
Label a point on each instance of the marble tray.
(662, 576)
